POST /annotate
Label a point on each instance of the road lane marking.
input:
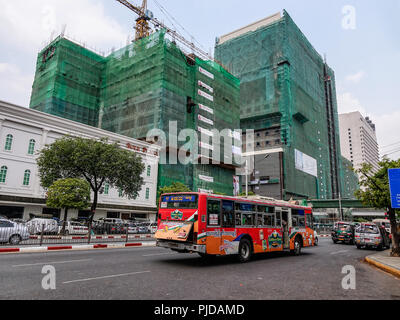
(49, 263)
(106, 277)
(157, 254)
(341, 251)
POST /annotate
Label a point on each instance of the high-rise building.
(149, 84)
(288, 97)
(358, 140)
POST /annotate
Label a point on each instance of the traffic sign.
(394, 184)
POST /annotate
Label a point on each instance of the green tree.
(250, 193)
(375, 193)
(68, 194)
(96, 161)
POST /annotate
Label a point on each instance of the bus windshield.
(179, 202)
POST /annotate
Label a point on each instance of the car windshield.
(368, 229)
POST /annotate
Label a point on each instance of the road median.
(77, 247)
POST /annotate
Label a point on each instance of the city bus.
(213, 225)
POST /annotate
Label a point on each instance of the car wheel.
(358, 247)
(334, 241)
(15, 239)
(244, 250)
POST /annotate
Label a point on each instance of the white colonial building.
(23, 132)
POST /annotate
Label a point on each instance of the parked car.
(12, 232)
(369, 235)
(73, 228)
(144, 227)
(132, 228)
(343, 232)
(153, 227)
(384, 223)
(35, 226)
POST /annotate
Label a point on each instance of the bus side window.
(238, 219)
(278, 219)
(213, 212)
(294, 222)
(259, 220)
(309, 220)
(302, 222)
(227, 214)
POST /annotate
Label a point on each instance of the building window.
(106, 189)
(9, 141)
(31, 148)
(27, 177)
(120, 193)
(148, 171)
(147, 193)
(3, 174)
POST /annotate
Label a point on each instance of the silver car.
(13, 233)
(370, 235)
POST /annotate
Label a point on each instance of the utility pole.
(247, 182)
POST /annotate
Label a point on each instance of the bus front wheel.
(245, 251)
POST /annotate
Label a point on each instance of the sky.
(360, 39)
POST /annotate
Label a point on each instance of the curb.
(384, 267)
(74, 248)
(93, 237)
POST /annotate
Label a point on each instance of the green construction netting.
(283, 85)
(143, 86)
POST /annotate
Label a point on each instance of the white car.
(73, 228)
(37, 225)
(12, 232)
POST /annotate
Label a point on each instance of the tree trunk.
(65, 221)
(395, 233)
(92, 213)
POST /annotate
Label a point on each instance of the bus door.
(228, 231)
(213, 242)
(285, 228)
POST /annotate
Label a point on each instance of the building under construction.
(288, 97)
(143, 86)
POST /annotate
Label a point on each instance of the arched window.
(9, 141)
(147, 193)
(27, 177)
(148, 171)
(31, 148)
(106, 189)
(120, 193)
(3, 174)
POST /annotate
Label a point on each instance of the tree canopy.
(69, 193)
(375, 193)
(96, 161)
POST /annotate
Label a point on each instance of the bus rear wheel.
(297, 247)
(245, 250)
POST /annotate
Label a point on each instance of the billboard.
(306, 163)
(394, 184)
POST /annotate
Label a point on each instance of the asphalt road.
(159, 274)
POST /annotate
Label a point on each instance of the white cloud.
(356, 77)
(27, 25)
(14, 84)
(387, 129)
(348, 103)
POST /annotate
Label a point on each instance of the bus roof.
(253, 199)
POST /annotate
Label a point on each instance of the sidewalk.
(384, 261)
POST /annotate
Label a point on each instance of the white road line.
(50, 263)
(106, 277)
(157, 254)
(341, 251)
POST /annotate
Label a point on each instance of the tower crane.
(143, 28)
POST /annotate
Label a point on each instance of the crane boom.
(143, 29)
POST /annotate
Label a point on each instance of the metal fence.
(39, 232)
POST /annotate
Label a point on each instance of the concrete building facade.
(358, 140)
(23, 132)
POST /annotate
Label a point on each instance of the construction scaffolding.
(149, 84)
(287, 86)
